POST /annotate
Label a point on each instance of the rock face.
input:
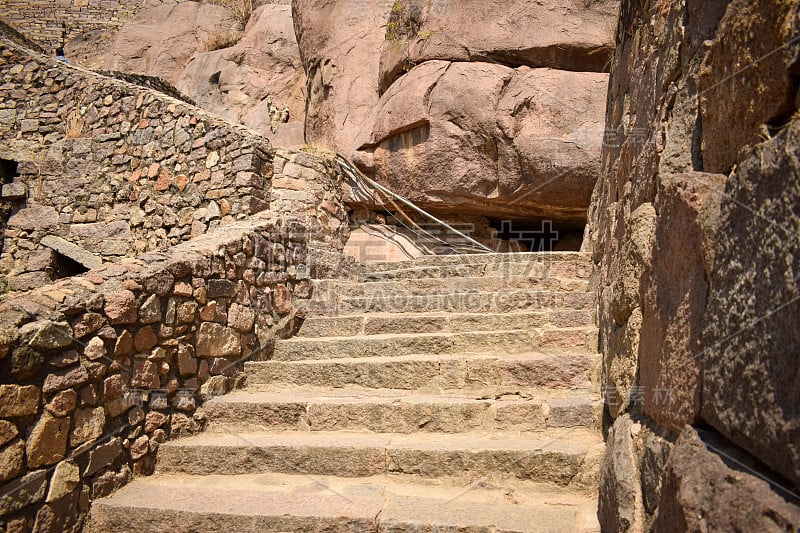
(468, 121)
(159, 41)
(561, 34)
(488, 139)
(340, 45)
(690, 228)
(259, 81)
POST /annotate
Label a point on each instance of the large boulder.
(159, 41)
(483, 138)
(564, 34)
(751, 336)
(340, 45)
(259, 81)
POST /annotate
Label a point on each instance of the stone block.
(18, 400)
(73, 251)
(751, 334)
(620, 506)
(47, 443)
(14, 191)
(216, 340)
(673, 297)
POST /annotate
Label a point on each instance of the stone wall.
(693, 227)
(109, 170)
(47, 22)
(98, 370)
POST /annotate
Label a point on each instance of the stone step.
(397, 344)
(564, 456)
(569, 370)
(480, 259)
(572, 268)
(274, 503)
(458, 302)
(376, 324)
(327, 289)
(393, 411)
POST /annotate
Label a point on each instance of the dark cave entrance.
(539, 235)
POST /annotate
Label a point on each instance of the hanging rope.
(358, 177)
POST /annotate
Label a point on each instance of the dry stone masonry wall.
(48, 21)
(100, 369)
(693, 227)
(108, 170)
(97, 370)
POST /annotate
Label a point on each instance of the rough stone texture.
(620, 505)
(340, 45)
(674, 289)
(66, 477)
(754, 308)
(26, 490)
(216, 340)
(714, 321)
(103, 456)
(11, 460)
(256, 79)
(62, 403)
(16, 400)
(159, 41)
(622, 316)
(117, 307)
(522, 142)
(656, 450)
(89, 49)
(261, 253)
(87, 424)
(704, 491)
(120, 307)
(74, 252)
(47, 443)
(565, 35)
(7, 432)
(750, 31)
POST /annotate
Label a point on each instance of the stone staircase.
(449, 393)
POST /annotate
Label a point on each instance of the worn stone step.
(479, 259)
(523, 267)
(327, 289)
(458, 302)
(273, 503)
(561, 456)
(568, 370)
(376, 324)
(395, 411)
(397, 344)
(299, 349)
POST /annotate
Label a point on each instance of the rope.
(356, 175)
